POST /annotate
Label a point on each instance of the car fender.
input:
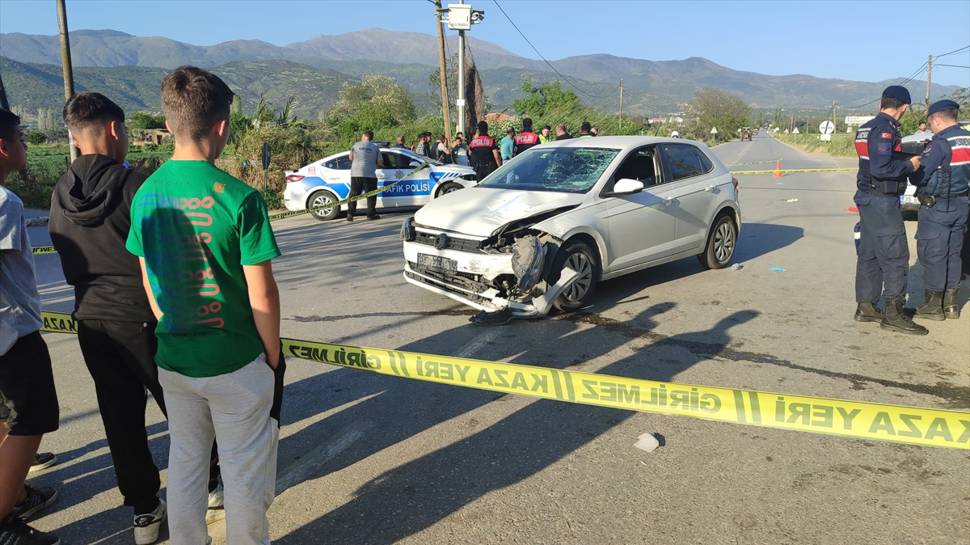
(559, 228)
(727, 205)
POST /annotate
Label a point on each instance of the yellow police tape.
(795, 170)
(40, 250)
(861, 420)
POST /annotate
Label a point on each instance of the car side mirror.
(626, 186)
(414, 164)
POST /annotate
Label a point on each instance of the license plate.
(437, 262)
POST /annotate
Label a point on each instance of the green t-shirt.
(196, 226)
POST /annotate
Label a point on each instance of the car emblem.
(441, 241)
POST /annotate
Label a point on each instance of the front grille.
(460, 244)
(465, 280)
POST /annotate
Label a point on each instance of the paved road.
(371, 460)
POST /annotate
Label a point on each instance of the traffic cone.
(777, 173)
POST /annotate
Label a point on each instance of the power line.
(567, 80)
(915, 74)
(951, 65)
(952, 52)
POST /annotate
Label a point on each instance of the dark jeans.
(121, 359)
(939, 240)
(359, 186)
(883, 255)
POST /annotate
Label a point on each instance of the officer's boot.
(950, 306)
(896, 321)
(867, 312)
(932, 307)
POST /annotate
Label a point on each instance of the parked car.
(913, 145)
(327, 182)
(546, 227)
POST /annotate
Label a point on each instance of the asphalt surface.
(373, 460)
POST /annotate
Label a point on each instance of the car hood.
(479, 211)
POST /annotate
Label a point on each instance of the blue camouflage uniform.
(946, 177)
(883, 254)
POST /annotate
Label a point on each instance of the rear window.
(684, 161)
(340, 163)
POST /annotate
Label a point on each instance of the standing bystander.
(206, 247)
(365, 157)
(28, 400)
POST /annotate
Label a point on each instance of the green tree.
(713, 108)
(547, 100)
(36, 137)
(145, 120)
(376, 102)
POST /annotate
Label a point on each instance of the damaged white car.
(545, 228)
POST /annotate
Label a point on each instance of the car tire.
(581, 257)
(721, 243)
(321, 198)
(448, 187)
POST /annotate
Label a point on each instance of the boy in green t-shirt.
(205, 246)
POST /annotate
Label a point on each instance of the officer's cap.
(941, 105)
(898, 92)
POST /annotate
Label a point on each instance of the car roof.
(387, 148)
(618, 142)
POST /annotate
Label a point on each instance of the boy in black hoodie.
(89, 223)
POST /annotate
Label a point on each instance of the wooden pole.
(66, 67)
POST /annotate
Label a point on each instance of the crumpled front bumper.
(472, 281)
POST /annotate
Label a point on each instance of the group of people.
(174, 295)
(942, 176)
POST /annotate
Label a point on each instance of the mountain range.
(131, 67)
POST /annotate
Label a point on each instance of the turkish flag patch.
(887, 135)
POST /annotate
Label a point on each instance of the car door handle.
(711, 188)
(669, 201)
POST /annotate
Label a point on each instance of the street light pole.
(461, 79)
(443, 72)
(66, 67)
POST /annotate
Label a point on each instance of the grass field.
(842, 144)
(46, 163)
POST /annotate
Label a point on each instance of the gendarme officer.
(883, 254)
(943, 211)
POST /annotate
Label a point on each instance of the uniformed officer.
(525, 139)
(883, 255)
(943, 210)
(483, 154)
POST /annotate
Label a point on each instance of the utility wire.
(567, 80)
(952, 52)
(951, 65)
(915, 74)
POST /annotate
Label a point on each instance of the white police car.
(327, 182)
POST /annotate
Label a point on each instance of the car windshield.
(566, 170)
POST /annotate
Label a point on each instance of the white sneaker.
(148, 525)
(217, 498)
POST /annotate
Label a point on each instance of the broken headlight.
(408, 233)
(528, 259)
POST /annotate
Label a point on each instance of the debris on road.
(792, 200)
(737, 267)
(647, 442)
(776, 269)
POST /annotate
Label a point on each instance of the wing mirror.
(626, 186)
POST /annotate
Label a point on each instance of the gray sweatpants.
(235, 408)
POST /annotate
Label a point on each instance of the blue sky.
(861, 40)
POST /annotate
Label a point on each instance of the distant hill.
(651, 87)
(31, 86)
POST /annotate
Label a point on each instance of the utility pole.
(929, 79)
(834, 126)
(3, 96)
(443, 72)
(461, 79)
(620, 129)
(66, 67)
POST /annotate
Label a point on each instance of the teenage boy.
(205, 246)
(28, 400)
(89, 223)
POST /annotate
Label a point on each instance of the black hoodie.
(89, 223)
